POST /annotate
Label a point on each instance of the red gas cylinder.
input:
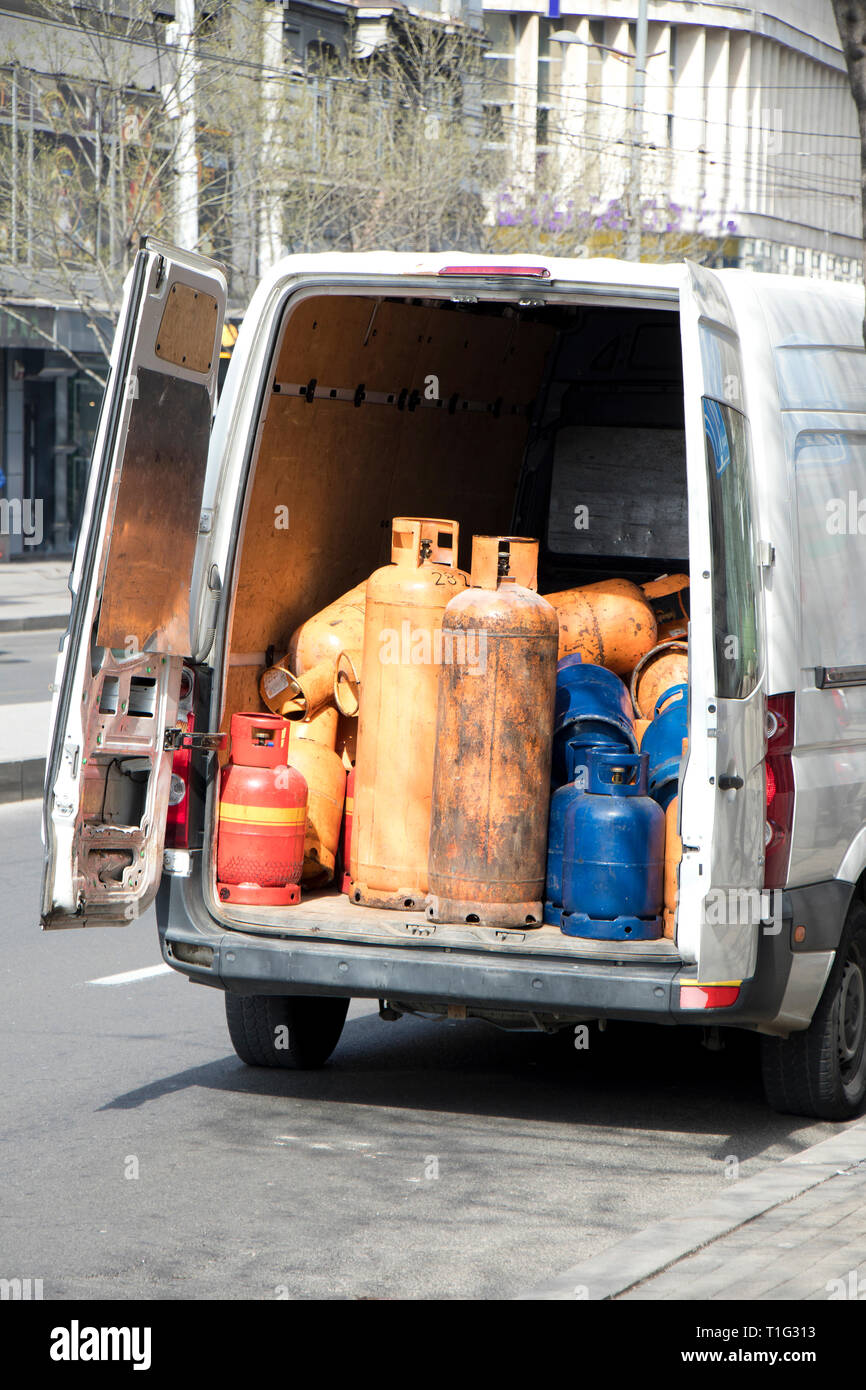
(347, 830)
(262, 816)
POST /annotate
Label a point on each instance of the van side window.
(735, 597)
(830, 481)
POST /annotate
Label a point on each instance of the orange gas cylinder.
(400, 673)
(307, 677)
(337, 628)
(640, 728)
(329, 683)
(347, 831)
(297, 696)
(262, 812)
(673, 855)
(494, 734)
(665, 666)
(611, 624)
(669, 598)
(325, 776)
(322, 728)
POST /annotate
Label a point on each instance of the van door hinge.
(173, 739)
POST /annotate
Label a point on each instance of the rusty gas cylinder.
(611, 623)
(666, 665)
(494, 731)
(401, 665)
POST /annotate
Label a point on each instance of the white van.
(709, 422)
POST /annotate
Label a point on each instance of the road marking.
(130, 976)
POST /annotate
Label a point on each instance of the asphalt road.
(142, 1160)
(27, 662)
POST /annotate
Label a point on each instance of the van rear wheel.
(293, 1031)
(821, 1072)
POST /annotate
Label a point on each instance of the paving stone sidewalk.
(812, 1247)
(34, 596)
(796, 1231)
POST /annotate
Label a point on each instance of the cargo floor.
(330, 915)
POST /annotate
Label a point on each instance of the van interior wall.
(330, 475)
(609, 441)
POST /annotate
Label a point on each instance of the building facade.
(749, 135)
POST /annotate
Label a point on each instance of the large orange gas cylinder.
(402, 662)
(262, 812)
(325, 776)
(494, 734)
(611, 623)
(347, 830)
(663, 667)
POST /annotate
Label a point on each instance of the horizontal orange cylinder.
(611, 623)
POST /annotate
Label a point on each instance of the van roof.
(794, 311)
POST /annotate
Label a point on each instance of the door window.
(735, 597)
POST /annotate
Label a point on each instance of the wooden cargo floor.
(331, 915)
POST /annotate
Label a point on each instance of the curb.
(21, 780)
(46, 622)
(647, 1253)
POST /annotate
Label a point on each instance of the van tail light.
(779, 771)
(177, 818)
(709, 996)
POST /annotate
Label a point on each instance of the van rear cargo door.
(723, 799)
(119, 671)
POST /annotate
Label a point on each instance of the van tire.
(297, 1032)
(821, 1072)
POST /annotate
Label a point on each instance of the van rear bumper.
(255, 965)
(417, 974)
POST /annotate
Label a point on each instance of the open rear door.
(723, 798)
(119, 671)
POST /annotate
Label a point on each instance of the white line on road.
(129, 976)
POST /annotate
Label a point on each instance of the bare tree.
(90, 133)
(350, 153)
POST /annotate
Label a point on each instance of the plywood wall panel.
(343, 472)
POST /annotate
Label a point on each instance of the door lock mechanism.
(730, 783)
(173, 739)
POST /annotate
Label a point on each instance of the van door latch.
(173, 739)
(730, 783)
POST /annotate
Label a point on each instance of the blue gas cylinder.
(613, 852)
(663, 743)
(559, 804)
(593, 710)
